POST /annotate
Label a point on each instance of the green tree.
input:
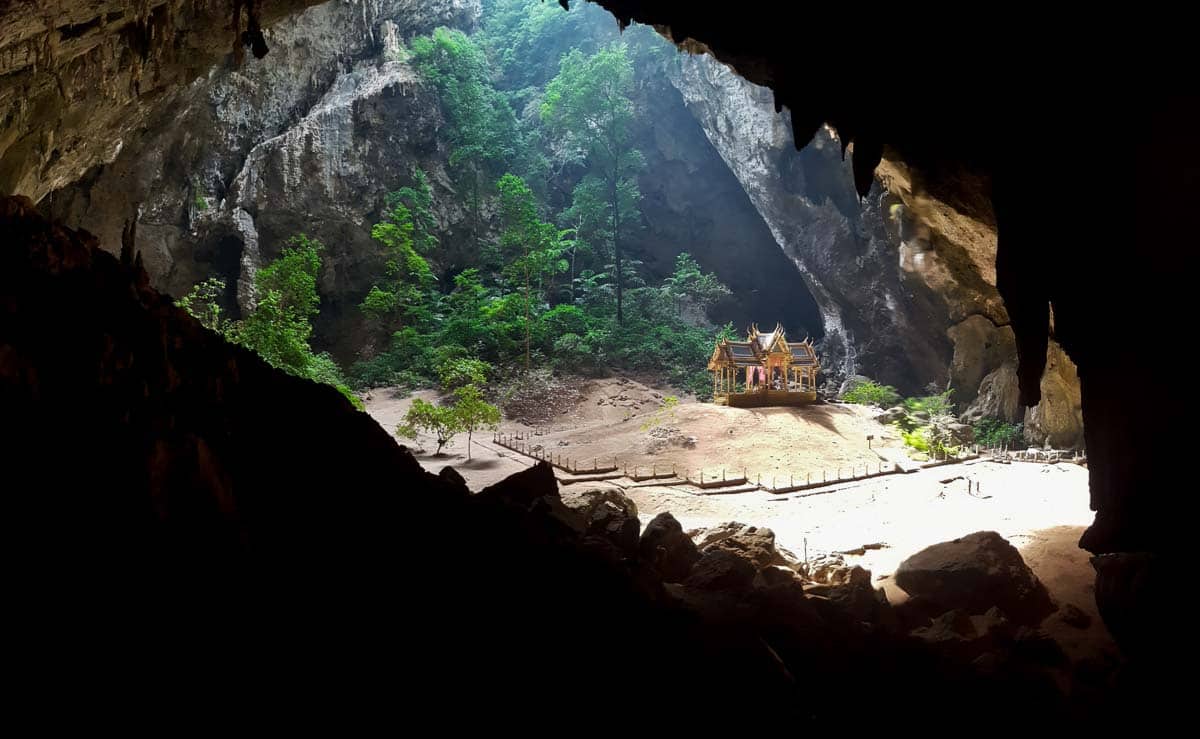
(281, 323)
(407, 235)
(439, 420)
(482, 132)
(279, 326)
(690, 284)
(474, 413)
(458, 372)
(537, 244)
(869, 392)
(588, 107)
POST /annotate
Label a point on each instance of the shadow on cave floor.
(822, 414)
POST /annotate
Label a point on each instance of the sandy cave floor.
(1041, 508)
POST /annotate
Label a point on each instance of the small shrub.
(995, 432)
(869, 392)
(934, 405)
(572, 353)
(699, 383)
(917, 439)
(203, 302)
(934, 440)
(665, 412)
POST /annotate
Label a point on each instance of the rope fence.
(706, 479)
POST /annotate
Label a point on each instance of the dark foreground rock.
(975, 573)
(667, 548)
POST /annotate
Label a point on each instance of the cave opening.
(221, 259)
(408, 202)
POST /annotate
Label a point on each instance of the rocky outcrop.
(608, 514)
(1058, 419)
(665, 545)
(754, 544)
(308, 139)
(876, 317)
(976, 573)
(906, 285)
(693, 202)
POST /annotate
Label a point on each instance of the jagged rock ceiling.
(77, 78)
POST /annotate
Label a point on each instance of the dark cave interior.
(128, 428)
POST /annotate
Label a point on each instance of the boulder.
(607, 513)
(975, 573)
(780, 594)
(891, 415)
(721, 570)
(966, 637)
(854, 595)
(952, 627)
(454, 478)
(1036, 646)
(824, 568)
(665, 546)
(1073, 615)
(712, 534)
(752, 543)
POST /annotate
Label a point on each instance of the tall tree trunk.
(616, 208)
(475, 207)
(468, 445)
(527, 314)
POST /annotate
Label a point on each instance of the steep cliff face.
(692, 202)
(308, 139)
(844, 247)
(906, 285)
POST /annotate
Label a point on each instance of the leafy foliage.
(932, 405)
(426, 417)
(663, 414)
(995, 432)
(588, 108)
(542, 280)
(279, 327)
(203, 302)
(689, 285)
(934, 439)
(927, 424)
(870, 392)
(469, 414)
(473, 413)
(459, 372)
(407, 235)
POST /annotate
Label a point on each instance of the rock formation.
(309, 139)
(975, 573)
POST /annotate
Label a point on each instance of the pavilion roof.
(803, 354)
(743, 353)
